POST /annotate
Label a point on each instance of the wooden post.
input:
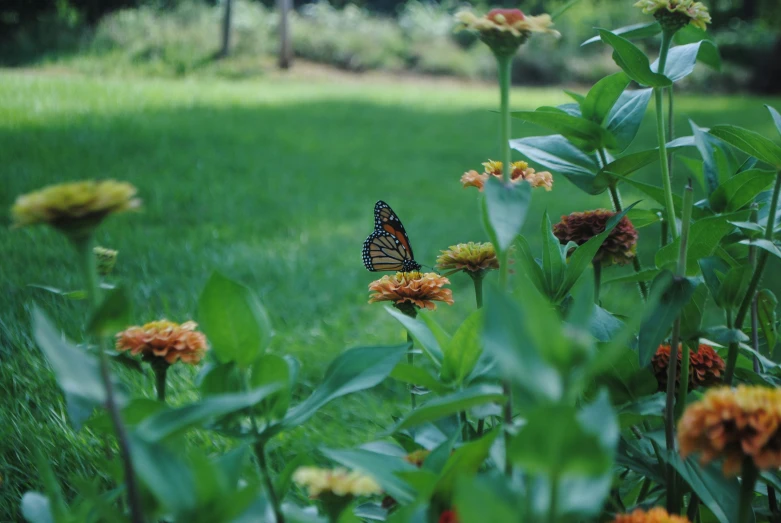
(226, 30)
(285, 45)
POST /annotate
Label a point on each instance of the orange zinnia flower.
(412, 288)
(521, 172)
(705, 366)
(655, 515)
(734, 424)
(165, 340)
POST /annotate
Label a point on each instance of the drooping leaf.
(676, 294)
(633, 61)
(234, 320)
(627, 114)
(716, 159)
(572, 127)
(464, 462)
(464, 350)
(557, 154)
(630, 32)
(440, 407)
(740, 190)
(765, 245)
(505, 209)
(419, 376)
(750, 142)
(353, 370)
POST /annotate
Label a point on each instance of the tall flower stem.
(477, 279)
(662, 137)
(732, 354)
(597, 279)
(694, 507)
(683, 387)
(554, 498)
(411, 360)
(748, 478)
(160, 370)
(260, 454)
(83, 243)
(504, 66)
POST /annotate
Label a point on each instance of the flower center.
(505, 16)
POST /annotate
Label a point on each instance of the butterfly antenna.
(429, 267)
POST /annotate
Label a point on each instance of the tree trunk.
(226, 30)
(285, 45)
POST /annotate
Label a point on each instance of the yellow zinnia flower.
(338, 481)
(472, 257)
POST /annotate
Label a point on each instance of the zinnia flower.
(417, 457)
(164, 340)
(705, 366)
(408, 290)
(338, 481)
(619, 247)
(521, 172)
(472, 257)
(675, 14)
(504, 30)
(74, 205)
(448, 516)
(106, 259)
(734, 424)
(655, 515)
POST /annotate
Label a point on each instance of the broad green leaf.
(352, 371)
(634, 31)
(505, 209)
(717, 165)
(740, 190)
(165, 474)
(268, 369)
(776, 117)
(36, 508)
(629, 163)
(723, 335)
(221, 379)
(422, 334)
(602, 97)
(750, 142)
(718, 493)
(571, 127)
(579, 98)
(643, 217)
(464, 462)
(713, 270)
(415, 375)
(625, 380)
(507, 336)
(463, 351)
(766, 309)
(382, 467)
(234, 320)
(554, 261)
(112, 315)
(681, 59)
(168, 422)
(557, 154)
(627, 114)
(483, 499)
(633, 61)
(442, 336)
(676, 294)
(692, 314)
(705, 236)
(440, 407)
(733, 287)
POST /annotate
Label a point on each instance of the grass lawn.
(273, 183)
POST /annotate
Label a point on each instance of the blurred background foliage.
(180, 37)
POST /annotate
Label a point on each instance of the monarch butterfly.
(388, 248)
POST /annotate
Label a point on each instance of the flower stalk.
(740, 317)
(661, 134)
(748, 479)
(260, 454)
(504, 65)
(477, 279)
(160, 369)
(411, 360)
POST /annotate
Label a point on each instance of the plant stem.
(615, 196)
(752, 258)
(644, 488)
(504, 67)
(732, 355)
(411, 360)
(477, 279)
(683, 387)
(748, 478)
(83, 243)
(554, 498)
(480, 427)
(597, 279)
(260, 454)
(508, 421)
(161, 372)
(661, 134)
(772, 504)
(670, 127)
(694, 507)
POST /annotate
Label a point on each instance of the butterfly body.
(387, 248)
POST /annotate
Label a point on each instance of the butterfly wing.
(387, 220)
(388, 248)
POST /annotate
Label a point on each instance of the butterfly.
(388, 248)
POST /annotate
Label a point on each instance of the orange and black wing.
(388, 248)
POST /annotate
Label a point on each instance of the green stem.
(597, 279)
(694, 507)
(83, 243)
(504, 66)
(661, 135)
(732, 354)
(480, 427)
(554, 499)
(752, 258)
(477, 279)
(748, 480)
(411, 360)
(615, 196)
(508, 421)
(161, 372)
(772, 504)
(670, 128)
(683, 388)
(260, 454)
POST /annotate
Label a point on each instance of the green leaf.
(718, 493)
(716, 159)
(750, 142)
(740, 190)
(571, 127)
(554, 261)
(634, 277)
(414, 375)
(602, 97)
(723, 335)
(643, 217)
(705, 236)
(505, 209)
(463, 351)
(36, 508)
(529, 266)
(222, 378)
(464, 462)
(692, 314)
(633, 61)
(625, 380)
(165, 474)
(507, 336)
(765, 245)
(422, 334)
(557, 154)
(776, 118)
(766, 308)
(352, 371)
(169, 422)
(266, 370)
(112, 315)
(676, 294)
(442, 336)
(627, 114)
(478, 501)
(234, 320)
(629, 163)
(634, 31)
(382, 467)
(579, 98)
(438, 408)
(733, 286)
(681, 59)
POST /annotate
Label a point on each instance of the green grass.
(271, 182)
